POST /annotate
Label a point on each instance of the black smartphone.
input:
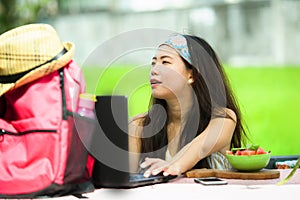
(210, 181)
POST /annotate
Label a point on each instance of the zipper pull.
(2, 135)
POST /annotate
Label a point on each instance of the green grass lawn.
(270, 102)
(269, 98)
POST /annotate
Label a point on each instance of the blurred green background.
(268, 97)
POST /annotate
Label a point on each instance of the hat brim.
(5, 87)
(41, 71)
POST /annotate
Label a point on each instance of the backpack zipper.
(63, 94)
(3, 132)
(64, 112)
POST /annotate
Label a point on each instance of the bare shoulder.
(136, 125)
(137, 120)
(231, 114)
(225, 113)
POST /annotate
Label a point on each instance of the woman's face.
(169, 75)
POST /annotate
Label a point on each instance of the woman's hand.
(157, 165)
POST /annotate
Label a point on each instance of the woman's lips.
(154, 82)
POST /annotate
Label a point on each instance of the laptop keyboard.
(157, 178)
(140, 177)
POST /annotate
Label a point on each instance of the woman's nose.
(154, 70)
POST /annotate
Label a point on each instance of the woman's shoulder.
(138, 119)
(225, 112)
(230, 113)
(136, 124)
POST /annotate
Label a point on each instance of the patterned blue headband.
(179, 43)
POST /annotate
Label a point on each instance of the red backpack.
(41, 152)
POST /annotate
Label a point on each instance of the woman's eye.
(152, 64)
(165, 62)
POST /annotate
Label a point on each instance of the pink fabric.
(33, 161)
(23, 161)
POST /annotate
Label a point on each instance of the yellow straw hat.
(30, 52)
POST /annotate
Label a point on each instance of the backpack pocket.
(28, 153)
(79, 165)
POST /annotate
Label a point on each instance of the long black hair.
(212, 93)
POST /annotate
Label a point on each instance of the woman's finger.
(148, 162)
(157, 166)
(154, 169)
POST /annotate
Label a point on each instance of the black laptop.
(109, 147)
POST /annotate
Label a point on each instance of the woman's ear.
(191, 79)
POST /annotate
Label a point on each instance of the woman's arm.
(134, 132)
(216, 137)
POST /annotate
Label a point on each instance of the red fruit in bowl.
(229, 152)
(248, 152)
(260, 151)
(238, 153)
